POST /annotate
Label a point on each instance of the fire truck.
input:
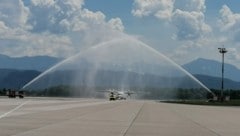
(13, 94)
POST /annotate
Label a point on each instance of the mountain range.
(38, 63)
(212, 68)
(15, 79)
(15, 72)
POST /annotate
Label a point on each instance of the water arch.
(122, 64)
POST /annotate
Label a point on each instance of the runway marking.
(133, 120)
(14, 109)
(67, 106)
(195, 122)
(67, 120)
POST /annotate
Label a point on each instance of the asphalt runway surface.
(95, 117)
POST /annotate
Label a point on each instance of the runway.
(93, 117)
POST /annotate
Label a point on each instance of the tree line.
(144, 93)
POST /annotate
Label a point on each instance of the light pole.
(222, 51)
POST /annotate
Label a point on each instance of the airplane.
(118, 95)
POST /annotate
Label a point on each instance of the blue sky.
(183, 30)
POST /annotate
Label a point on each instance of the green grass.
(204, 102)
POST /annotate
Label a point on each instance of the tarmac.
(94, 117)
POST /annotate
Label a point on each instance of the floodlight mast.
(222, 51)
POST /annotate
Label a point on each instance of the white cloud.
(190, 25)
(13, 13)
(190, 5)
(55, 16)
(63, 16)
(159, 8)
(3, 27)
(18, 42)
(186, 15)
(189, 19)
(233, 55)
(93, 17)
(230, 23)
(229, 20)
(116, 23)
(52, 27)
(42, 2)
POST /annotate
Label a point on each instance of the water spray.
(132, 45)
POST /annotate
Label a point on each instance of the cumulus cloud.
(18, 42)
(52, 27)
(57, 16)
(186, 15)
(190, 5)
(116, 23)
(3, 27)
(234, 54)
(230, 22)
(13, 13)
(190, 25)
(159, 8)
(61, 16)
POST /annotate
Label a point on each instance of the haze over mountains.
(212, 68)
(38, 63)
(15, 72)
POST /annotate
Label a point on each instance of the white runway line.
(16, 108)
(133, 120)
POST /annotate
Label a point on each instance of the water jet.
(124, 63)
